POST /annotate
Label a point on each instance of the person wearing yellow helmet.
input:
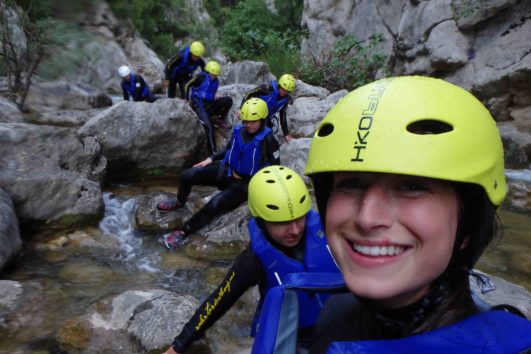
(181, 67)
(277, 95)
(134, 86)
(251, 147)
(212, 109)
(285, 236)
(408, 175)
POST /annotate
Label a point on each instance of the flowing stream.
(65, 273)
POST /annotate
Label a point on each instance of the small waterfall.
(118, 222)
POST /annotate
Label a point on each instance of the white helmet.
(123, 71)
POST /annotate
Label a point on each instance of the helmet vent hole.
(429, 126)
(270, 181)
(325, 130)
(289, 176)
(272, 207)
(302, 199)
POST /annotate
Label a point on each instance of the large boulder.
(246, 72)
(9, 112)
(166, 134)
(10, 240)
(61, 95)
(50, 172)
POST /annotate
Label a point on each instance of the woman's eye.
(412, 187)
(349, 184)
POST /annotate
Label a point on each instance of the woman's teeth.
(378, 250)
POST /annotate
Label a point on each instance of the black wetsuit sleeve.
(124, 91)
(284, 120)
(139, 88)
(272, 150)
(194, 82)
(172, 64)
(246, 272)
(202, 64)
(261, 90)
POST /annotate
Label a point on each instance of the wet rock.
(10, 240)
(51, 173)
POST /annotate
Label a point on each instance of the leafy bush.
(252, 32)
(349, 64)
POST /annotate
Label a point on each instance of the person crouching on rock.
(134, 86)
(251, 147)
(286, 237)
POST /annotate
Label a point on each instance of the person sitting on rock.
(251, 147)
(277, 95)
(210, 108)
(134, 86)
(286, 236)
(181, 67)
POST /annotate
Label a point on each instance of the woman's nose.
(375, 209)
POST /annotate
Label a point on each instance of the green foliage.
(252, 32)
(349, 64)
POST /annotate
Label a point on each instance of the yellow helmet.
(197, 49)
(412, 125)
(287, 82)
(278, 194)
(213, 68)
(253, 109)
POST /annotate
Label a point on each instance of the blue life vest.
(245, 159)
(207, 90)
(486, 332)
(274, 104)
(130, 87)
(184, 67)
(317, 259)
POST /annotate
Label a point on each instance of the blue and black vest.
(486, 332)
(245, 159)
(207, 90)
(274, 104)
(184, 67)
(130, 87)
(277, 265)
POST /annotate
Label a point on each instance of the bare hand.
(170, 351)
(165, 83)
(238, 114)
(204, 163)
(288, 138)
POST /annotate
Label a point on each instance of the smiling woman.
(408, 174)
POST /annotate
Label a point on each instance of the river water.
(66, 273)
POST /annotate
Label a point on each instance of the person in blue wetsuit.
(251, 147)
(285, 236)
(277, 95)
(211, 108)
(133, 86)
(181, 67)
(408, 175)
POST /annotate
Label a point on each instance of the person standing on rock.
(134, 86)
(181, 67)
(251, 147)
(277, 95)
(211, 108)
(286, 236)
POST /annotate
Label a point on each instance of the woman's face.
(392, 235)
(287, 234)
